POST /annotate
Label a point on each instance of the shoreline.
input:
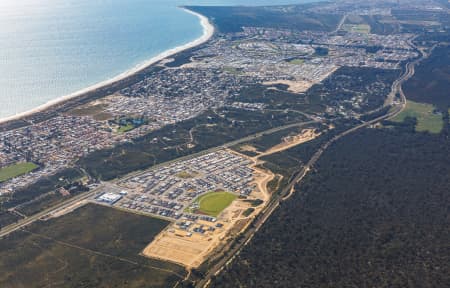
(208, 32)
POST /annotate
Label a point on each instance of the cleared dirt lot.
(292, 141)
(294, 86)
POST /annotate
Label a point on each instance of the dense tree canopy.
(373, 213)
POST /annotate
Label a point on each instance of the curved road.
(289, 190)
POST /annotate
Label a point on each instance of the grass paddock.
(15, 170)
(214, 203)
(426, 119)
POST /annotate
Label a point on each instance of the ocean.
(52, 48)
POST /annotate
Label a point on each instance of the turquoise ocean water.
(51, 48)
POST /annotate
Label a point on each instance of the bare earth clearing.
(300, 86)
(292, 141)
(294, 86)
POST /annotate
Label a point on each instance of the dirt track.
(305, 136)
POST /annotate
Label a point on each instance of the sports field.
(214, 203)
(297, 61)
(426, 119)
(357, 28)
(15, 170)
(126, 128)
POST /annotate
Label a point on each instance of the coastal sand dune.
(208, 32)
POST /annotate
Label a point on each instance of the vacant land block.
(94, 246)
(357, 28)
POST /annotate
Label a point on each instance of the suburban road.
(289, 190)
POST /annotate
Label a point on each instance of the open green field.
(15, 170)
(126, 128)
(232, 70)
(426, 119)
(94, 246)
(357, 28)
(296, 61)
(96, 111)
(214, 203)
(87, 110)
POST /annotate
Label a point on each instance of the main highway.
(88, 195)
(48, 212)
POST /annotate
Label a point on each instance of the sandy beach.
(208, 32)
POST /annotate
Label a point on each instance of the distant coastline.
(208, 32)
